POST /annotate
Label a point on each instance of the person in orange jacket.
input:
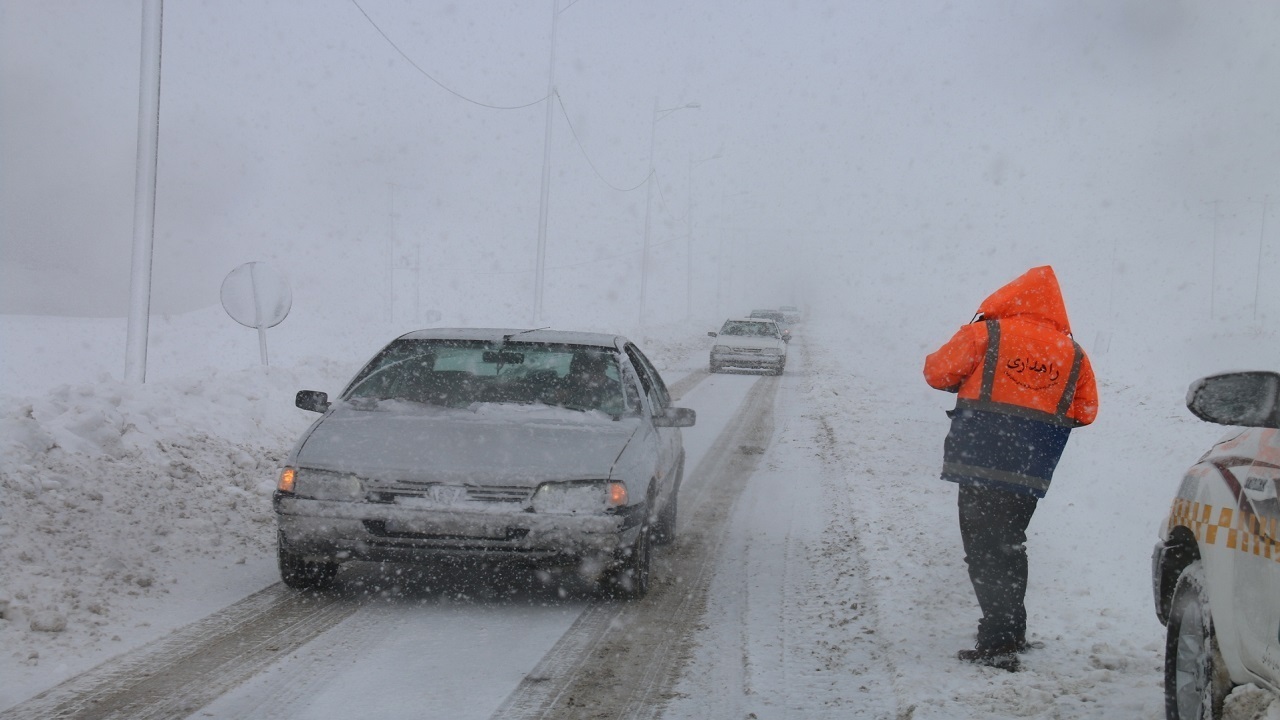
(1022, 384)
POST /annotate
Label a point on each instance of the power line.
(619, 256)
(662, 200)
(583, 150)
(428, 75)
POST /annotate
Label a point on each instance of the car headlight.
(580, 497)
(720, 349)
(321, 484)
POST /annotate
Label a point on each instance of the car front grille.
(500, 494)
(746, 350)
(388, 491)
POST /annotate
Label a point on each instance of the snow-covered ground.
(127, 511)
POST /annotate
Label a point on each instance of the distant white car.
(755, 343)
(1216, 569)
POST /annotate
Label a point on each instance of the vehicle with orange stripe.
(1216, 569)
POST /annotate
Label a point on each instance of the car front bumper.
(340, 530)
(748, 360)
(1158, 589)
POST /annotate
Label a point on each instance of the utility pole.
(1257, 273)
(648, 197)
(544, 195)
(1213, 265)
(391, 253)
(144, 193)
(688, 291)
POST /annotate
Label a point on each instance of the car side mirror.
(710, 334)
(1251, 399)
(675, 417)
(312, 400)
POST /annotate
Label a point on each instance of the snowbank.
(128, 510)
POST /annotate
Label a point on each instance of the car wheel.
(1195, 679)
(302, 574)
(664, 527)
(631, 579)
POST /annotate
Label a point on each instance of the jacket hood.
(1034, 295)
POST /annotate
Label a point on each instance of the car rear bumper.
(335, 530)
(745, 360)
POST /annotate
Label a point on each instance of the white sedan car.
(553, 447)
(1216, 569)
(750, 342)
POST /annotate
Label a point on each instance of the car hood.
(749, 341)
(484, 445)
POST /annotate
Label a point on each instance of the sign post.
(257, 296)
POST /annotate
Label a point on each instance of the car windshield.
(458, 374)
(749, 329)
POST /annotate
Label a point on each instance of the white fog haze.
(863, 152)
(884, 166)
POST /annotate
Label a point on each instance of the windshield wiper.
(507, 338)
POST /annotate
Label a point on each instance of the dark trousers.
(993, 526)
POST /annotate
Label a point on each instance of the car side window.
(650, 378)
(631, 387)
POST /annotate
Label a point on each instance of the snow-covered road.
(818, 572)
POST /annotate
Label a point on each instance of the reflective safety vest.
(1035, 378)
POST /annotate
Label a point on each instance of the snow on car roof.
(557, 337)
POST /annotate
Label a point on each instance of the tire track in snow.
(178, 674)
(851, 530)
(687, 383)
(620, 660)
(175, 676)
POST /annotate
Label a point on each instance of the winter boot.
(1004, 657)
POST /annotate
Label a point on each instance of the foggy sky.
(879, 156)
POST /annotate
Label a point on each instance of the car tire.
(1195, 678)
(630, 580)
(301, 574)
(664, 526)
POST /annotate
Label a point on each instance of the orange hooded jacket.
(1019, 358)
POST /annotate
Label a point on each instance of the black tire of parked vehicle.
(630, 580)
(664, 526)
(1195, 678)
(301, 574)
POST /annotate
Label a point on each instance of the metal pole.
(391, 253)
(648, 207)
(545, 193)
(688, 291)
(688, 252)
(648, 197)
(144, 193)
(720, 276)
(1213, 266)
(1257, 274)
(259, 313)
